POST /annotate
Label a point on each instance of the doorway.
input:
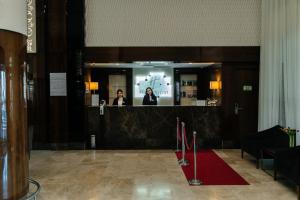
(241, 86)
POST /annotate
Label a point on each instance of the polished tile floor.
(143, 175)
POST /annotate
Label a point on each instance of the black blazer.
(146, 100)
(115, 103)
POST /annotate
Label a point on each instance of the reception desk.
(152, 127)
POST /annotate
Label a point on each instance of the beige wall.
(173, 22)
(13, 15)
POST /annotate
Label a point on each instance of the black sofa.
(253, 144)
(287, 163)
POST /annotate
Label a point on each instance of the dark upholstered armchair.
(270, 138)
(287, 163)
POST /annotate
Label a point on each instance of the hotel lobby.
(149, 100)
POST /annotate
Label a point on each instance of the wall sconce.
(87, 86)
(94, 86)
(95, 97)
(91, 86)
(215, 85)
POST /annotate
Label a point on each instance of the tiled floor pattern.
(143, 175)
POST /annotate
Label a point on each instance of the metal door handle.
(237, 108)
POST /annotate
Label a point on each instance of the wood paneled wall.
(38, 106)
(231, 59)
(58, 122)
(176, 54)
(56, 62)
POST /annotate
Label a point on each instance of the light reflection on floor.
(143, 175)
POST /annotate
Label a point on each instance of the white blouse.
(120, 101)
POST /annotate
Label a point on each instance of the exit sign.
(247, 88)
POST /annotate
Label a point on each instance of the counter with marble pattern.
(152, 127)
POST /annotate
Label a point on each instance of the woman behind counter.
(120, 100)
(149, 98)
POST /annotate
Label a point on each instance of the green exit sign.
(247, 88)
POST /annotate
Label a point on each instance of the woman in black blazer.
(149, 98)
(120, 100)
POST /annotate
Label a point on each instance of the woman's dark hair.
(150, 89)
(119, 90)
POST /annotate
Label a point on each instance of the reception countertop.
(148, 127)
(138, 106)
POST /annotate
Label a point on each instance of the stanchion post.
(195, 181)
(183, 161)
(177, 131)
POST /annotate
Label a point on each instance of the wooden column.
(13, 117)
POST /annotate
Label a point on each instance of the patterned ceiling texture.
(173, 22)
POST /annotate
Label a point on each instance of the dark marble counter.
(148, 127)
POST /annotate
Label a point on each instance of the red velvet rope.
(185, 140)
(188, 147)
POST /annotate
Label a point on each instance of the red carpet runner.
(211, 169)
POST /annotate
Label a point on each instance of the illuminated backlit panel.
(158, 81)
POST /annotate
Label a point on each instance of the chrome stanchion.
(183, 161)
(33, 195)
(177, 136)
(195, 181)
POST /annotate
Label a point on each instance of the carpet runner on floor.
(211, 169)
